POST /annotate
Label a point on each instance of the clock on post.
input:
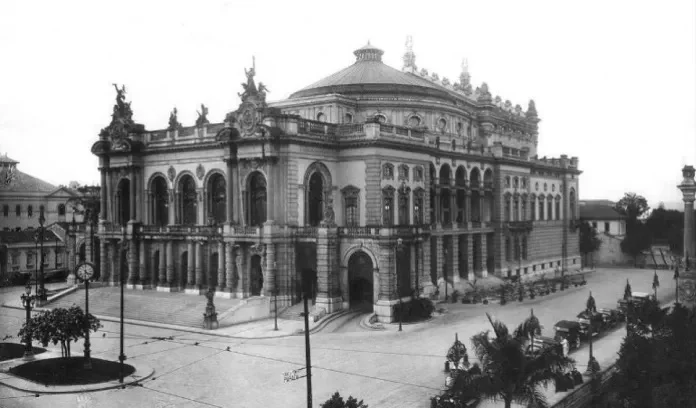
(85, 271)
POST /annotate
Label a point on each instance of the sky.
(614, 81)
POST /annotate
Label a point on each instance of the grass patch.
(70, 371)
(10, 351)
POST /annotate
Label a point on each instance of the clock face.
(85, 271)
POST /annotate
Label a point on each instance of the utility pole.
(306, 283)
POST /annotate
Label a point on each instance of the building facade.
(611, 230)
(372, 184)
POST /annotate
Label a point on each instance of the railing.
(112, 228)
(359, 231)
(350, 128)
(305, 232)
(476, 224)
(212, 129)
(157, 136)
(246, 229)
(187, 132)
(519, 225)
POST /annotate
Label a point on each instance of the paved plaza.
(385, 368)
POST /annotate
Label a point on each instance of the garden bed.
(70, 371)
(10, 351)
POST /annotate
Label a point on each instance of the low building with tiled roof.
(611, 229)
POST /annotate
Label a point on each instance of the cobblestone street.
(385, 368)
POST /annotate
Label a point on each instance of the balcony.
(359, 232)
(519, 225)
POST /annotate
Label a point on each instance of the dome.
(370, 75)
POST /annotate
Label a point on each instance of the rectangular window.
(524, 247)
(59, 258)
(388, 214)
(558, 210)
(541, 210)
(543, 265)
(352, 212)
(30, 211)
(526, 271)
(418, 210)
(30, 260)
(507, 210)
(524, 210)
(516, 210)
(18, 210)
(606, 227)
(533, 268)
(5, 210)
(403, 208)
(14, 259)
(549, 215)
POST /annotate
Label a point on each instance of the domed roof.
(370, 74)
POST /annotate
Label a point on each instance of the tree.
(667, 226)
(632, 206)
(636, 241)
(589, 241)
(657, 360)
(60, 326)
(508, 372)
(336, 401)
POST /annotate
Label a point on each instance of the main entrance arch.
(361, 281)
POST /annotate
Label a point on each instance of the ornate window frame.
(418, 173)
(508, 182)
(388, 206)
(418, 119)
(549, 204)
(403, 172)
(403, 207)
(351, 192)
(387, 171)
(418, 204)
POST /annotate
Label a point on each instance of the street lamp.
(85, 271)
(676, 288)
(591, 309)
(41, 290)
(399, 249)
(28, 302)
(275, 298)
(123, 244)
(444, 272)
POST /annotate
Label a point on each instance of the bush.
(532, 291)
(520, 292)
(415, 310)
(455, 296)
(336, 401)
(59, 326)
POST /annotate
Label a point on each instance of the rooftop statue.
(121, 117)
(173, 120)
(249, 86)
(202, 116)
(262, 91)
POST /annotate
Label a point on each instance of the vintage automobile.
(542, 343)
(637, 298)
(572, 331)
(612, 317)
(598, 322)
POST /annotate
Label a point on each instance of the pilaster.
(132, 263)
(471, 275)
(190, 277)
(162, 266)
(144, 273)
(454, 251)
(199, 283)
(221, 273)
(484, 255)
(103, 262)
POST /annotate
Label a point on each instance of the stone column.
(88, 243)
(132, 262)
(230, 193)
(72, 257)
(453, 204)
(132, 193)
(327, 270)
(688, 189)
(171, 210)
(199, 266)
(109, 210)
(221, 273)
(103, 195)
(171, 280)
(440, 259)
(484, 255)
(481, 206)
(470, 257)
(243, 280)
(269, 281)
(455, 258)
(189, 267)
(114, 263)
(103, 261)
(467, 206)
(144, 275)
(148, 215)
(229, 268)
(162, 279)
(438, 215)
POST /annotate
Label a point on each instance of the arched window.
(217, 198)
(381, 118)
(351, 206)
(572, 204)
(414, 121)
(188, 200)
(507, 208)
(523, 216)
(61, 210)
(123, 201)
(516, 182)
(403, 172)
(549, 203)
(404, 194)
(388, 206)
(558, 208)
(160, 202)
(418, 173)
(321, 116)
(516, 209)
(256, 203)
(315, 200)
(541, 208)
(418, 207)
(441, 124)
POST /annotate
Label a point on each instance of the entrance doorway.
(256, 276)
(360, 281)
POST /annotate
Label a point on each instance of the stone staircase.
(294, 312)
(147, 305)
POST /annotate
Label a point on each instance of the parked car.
(612, 317)
(541, 343)
(570, 330)
(637, 298)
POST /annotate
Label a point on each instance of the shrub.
(336, 401)
(455, 296)
(59, 326)
(520, 292)
(417, 309)
(532, 291)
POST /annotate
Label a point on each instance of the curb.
(141, 373)
(321, 324)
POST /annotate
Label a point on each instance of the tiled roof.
(26, 183)
(13, 237)
(599, 212)
(5, 159)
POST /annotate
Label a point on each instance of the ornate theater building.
(373, 184)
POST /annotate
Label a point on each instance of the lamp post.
(306, 287)
(42, 290)
(399, 249)
(121, 275)
(676, 287)
(28, 302)
(444, 272)
(36, 263)
(275, 299)
(591, 308)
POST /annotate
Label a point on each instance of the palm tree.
(529, 328)
(510, 374)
